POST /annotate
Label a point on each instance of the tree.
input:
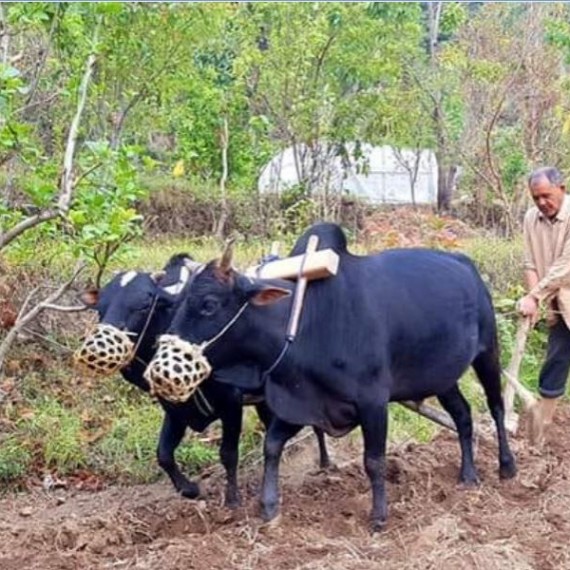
(510, 78)
(81, 192)
(314, 93)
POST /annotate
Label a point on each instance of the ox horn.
(226, 261)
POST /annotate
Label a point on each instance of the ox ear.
(90, 297)
(268, 295)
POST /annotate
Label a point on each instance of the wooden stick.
(438, 416)
(511, 374)
(318, 265)
(300, 291)
(527, 397)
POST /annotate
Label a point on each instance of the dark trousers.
(554, 372)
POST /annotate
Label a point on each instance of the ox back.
(405, 324)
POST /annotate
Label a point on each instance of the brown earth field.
(433, 522)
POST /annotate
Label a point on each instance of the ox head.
(212, 314)
(133, 308)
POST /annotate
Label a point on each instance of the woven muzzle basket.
(177, 369)
(104, 351)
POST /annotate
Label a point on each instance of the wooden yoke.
(316, 265)
(301, 288)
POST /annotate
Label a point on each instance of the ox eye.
(209, 306)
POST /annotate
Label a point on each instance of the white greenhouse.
(380, 174)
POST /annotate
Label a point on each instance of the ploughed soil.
(433, 522)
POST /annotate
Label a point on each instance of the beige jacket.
(547, 251)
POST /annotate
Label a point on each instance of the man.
(547, 274)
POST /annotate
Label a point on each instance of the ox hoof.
(377, 525)
(469, 481)
(232, 503)
(508, 470)
(190, 491)
(329, 467)
(468, 476)
(269, 511)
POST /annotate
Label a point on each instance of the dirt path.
(434, 524)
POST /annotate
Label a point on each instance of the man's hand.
(528, 307)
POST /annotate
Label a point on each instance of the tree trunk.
(444, 178)
(224, 213)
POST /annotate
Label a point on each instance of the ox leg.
(275, 439)
(265, 415)
(487, 368)
(324, 457)
(229, 453)
(171, 435)
(374, 422)
(456, 405)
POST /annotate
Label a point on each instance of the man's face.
(547, 196)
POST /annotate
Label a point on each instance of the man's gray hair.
(552, 174)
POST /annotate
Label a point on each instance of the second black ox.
(141, 305)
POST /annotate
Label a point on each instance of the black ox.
(143, 305)
(400, 325)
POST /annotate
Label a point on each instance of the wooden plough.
(513, 385)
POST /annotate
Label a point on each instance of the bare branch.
(32, 104)
(4, 36)
(494, 118)
(26, 317)
(66, 185)
(20, 228)
(16, 58)
(86, 173)
(224, 142)
(109, 249)
(116, 135)
(44, 55)
(434, 16)
(322, 55)
(146, 86)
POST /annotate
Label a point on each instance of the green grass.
(500, 262)
(127, 451)
(405, 425)
(52, 434)
(193, 455)
(15, 459)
